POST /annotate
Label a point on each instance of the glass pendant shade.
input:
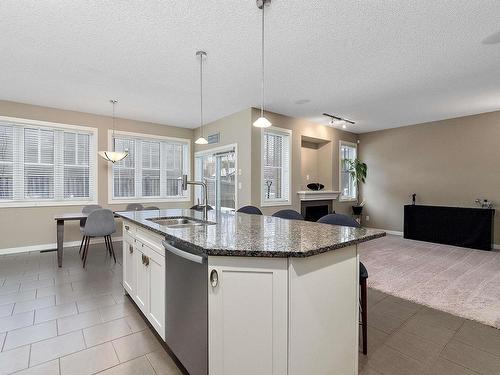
(201, 141)
(113, 156)
(262, 122)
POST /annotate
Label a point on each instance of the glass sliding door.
(218, 171)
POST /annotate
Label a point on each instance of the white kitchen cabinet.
(144, 274)
(247, 314)
(323, 313)
(155, 273)
(129, 274)
(141, 289)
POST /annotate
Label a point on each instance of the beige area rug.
(457, 280)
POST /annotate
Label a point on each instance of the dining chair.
(86, 210)
(250, 210)
(134, 207)
(348, 221)
(198, 207)
(100, 223)
(288, 214)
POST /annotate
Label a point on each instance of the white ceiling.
(382, 63)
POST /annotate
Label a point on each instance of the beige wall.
(35, 225)
(233, 129)
(328, 165)
(450, 162)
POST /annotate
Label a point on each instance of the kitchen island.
(247, 294)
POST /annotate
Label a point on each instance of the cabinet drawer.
(129, 229)
(150, 240)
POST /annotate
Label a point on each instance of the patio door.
(217, 168)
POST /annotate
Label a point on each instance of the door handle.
(130, 249)
(184, 254)
(214, 278)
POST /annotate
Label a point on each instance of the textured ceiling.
(382, 63)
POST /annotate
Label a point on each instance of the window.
(152, 168)
(348, 189)
(217, 168)
(275, 166)
(46, 164)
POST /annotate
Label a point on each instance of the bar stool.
(288, 214)
(250, 210)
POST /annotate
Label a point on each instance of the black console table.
(458, 226)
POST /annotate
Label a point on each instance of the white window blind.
(6, 162)
(276, 167)
(151, 170)
(348, 151)
(44, 164)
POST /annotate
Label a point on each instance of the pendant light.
(113, 156)
(262, 122)
(202, 140)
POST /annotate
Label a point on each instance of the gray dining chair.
(100, 223)
(151, 208)
(135, 207)
(250, 210)
(288, 214)
(86, 210)
(198, 207)
(348, 221)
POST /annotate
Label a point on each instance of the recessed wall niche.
(316, 161)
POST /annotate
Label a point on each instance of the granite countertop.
(238, 234)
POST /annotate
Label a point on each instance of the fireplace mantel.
(318, 195)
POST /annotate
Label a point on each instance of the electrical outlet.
(307, 177)
(367, 218)
(239, 185)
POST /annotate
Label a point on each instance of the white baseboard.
(48, 246)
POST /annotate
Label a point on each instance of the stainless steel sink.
(179, 222)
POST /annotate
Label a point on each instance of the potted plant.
(357, 169)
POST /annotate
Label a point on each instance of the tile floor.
(405, 338)
(75, 321)
(72, 321)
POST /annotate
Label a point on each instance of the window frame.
(343, 198)
(264, 202)
(147, 137)
(93, 174)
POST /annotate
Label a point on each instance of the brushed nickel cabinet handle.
(130, 249)
(146, 261)
(214, 278)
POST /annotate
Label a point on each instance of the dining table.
(60, 220)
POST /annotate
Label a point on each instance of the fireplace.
(315, 204)
(314, 210)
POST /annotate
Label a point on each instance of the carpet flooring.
(460, 281)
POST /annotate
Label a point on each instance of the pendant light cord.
(201, 94)
(262, 60)
(113, 102)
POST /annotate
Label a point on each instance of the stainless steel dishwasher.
(186, 312)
